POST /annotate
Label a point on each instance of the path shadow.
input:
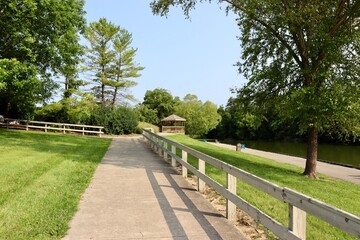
(143, 157)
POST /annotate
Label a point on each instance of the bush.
(54, 112)
(120, 120)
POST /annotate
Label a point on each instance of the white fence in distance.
(51, 126)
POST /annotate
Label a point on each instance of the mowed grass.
(42, 177)
(338, 193)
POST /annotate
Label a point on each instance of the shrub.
(115, 120)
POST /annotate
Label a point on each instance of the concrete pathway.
(331, 170)
(135, 194)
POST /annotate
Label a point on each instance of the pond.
(341, 154)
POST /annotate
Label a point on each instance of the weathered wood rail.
(299, 204)
(51, 126)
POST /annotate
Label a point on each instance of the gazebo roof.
(173, 118)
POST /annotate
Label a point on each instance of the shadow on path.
(135, 194)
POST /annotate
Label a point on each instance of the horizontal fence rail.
(62, 127)
(299, 204)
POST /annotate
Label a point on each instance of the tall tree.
(111, 58)
(303, 53)
(100, 35)
(43, 35)
(124, 67)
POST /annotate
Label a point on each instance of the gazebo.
(173, 124)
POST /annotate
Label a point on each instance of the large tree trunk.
(311, 158)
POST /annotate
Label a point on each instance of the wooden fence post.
(201, 183)
(165, 153)
(184, 169)
(230, 206)
(160, 142)
(64, 129)
(45, 127)
(297, 221)
(156, 144)
(153, 141)
(173, 161)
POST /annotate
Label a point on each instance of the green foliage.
(42, 34)
(200, 117)
(76, 109)
(299, 53)
(79, 111)
(147, 115)
(116, 120)
(338, 193)
(42, 178)
(159, 102)
(124, 67)
(20, 88)
(111, 60)
(53, 112)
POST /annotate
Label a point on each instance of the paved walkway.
(135, 194)
(331, 170)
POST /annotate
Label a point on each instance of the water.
(342, 154)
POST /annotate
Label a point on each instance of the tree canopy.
(303, 56)
(159, 100)
(200, 117)
(41, 37)
(111, 60)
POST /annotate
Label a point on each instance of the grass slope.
(148, 125)
(42, 177)
(341, 194)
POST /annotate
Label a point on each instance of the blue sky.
(184, 56)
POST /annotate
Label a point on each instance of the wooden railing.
(173, 129)
(50, 126)
(299, 204)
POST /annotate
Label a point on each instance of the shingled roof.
(173, 118)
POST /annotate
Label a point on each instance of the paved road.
(331, 170)
(135, 194)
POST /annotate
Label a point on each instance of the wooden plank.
(173, 161)
(201, 183)
(184, 157)
(61, 129)
(336, 217)
(66, 124)
(297, 221)
(159, 141)
(165, 153)
(230, 206)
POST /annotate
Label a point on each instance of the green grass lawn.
(42, 177)
(341, 194)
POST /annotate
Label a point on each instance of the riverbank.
(331, 170)
(344, 155)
